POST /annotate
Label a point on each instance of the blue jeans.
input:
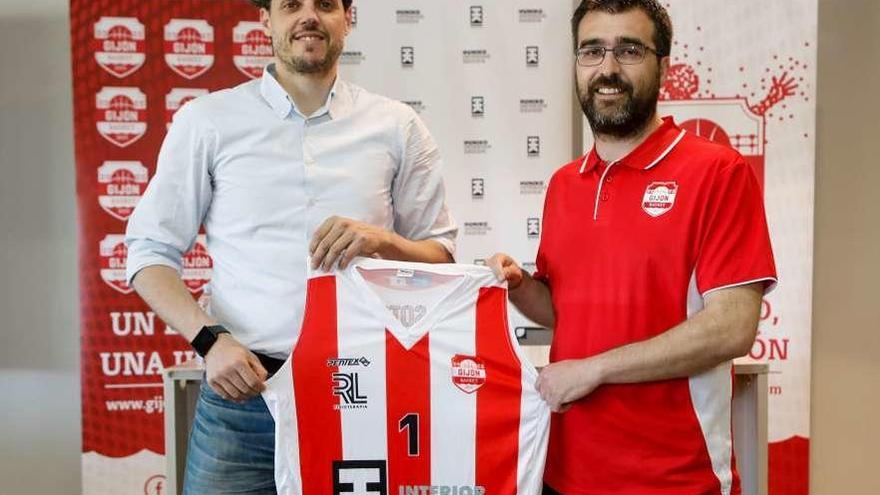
(231, 447)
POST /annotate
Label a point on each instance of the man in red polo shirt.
(653, 261)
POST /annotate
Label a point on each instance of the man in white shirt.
(296, 164)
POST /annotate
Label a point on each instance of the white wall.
(39, 321)
(39, 327)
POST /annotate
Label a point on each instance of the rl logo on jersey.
(468, 373)
(659, 198)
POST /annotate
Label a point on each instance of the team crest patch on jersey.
(189, 46)
(659, 198)
(119, 45)
(468, 373)
(252, 48)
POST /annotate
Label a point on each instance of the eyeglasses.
(625, 54)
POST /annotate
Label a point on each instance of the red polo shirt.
(628, 250)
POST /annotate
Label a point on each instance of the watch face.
(206, 338)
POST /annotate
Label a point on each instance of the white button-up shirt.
(261, 177)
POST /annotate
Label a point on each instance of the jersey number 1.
(410, 422)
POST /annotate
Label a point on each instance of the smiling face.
(619, 100)
(307, 35)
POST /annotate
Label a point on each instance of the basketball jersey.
(406, 379)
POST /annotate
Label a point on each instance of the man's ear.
(349, 19)
(664, 70)
(265, 21)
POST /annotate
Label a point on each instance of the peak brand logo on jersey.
(339, 362)
(468, 373)
(476, 16)
(659, 198)
(345, 386)
(533, 227)
(407, 56)
(251, 48)
(360, 477)
(119, 45)
(532, 56)
(189, 46)
(478, 106)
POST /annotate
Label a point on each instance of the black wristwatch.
(206, 338)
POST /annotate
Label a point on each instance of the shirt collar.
(646, 155)
(283, 105)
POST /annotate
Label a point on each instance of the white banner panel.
(492, 80)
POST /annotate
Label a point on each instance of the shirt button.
(608, 179)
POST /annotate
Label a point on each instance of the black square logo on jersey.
(532, 56)
(533, 227)
(533, 146)
(476, 15)
(407, 56)
(478, 106)
(477, 188)
(360, 477)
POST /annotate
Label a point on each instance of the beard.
(307, 65)
(623, 119)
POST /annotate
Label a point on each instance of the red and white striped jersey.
(406, 379)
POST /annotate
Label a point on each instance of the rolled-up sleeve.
(166, 221)
(418, 192)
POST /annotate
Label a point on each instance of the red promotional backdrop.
(134, 64)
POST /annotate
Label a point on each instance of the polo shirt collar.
(646, 155)
(281, 103)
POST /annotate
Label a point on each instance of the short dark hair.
(267, 4)
(653, 8)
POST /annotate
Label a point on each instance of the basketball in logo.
(121, 115)
(468, 373)
(121, 185)
(119, 45)
(251, 48)
(189, 47)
